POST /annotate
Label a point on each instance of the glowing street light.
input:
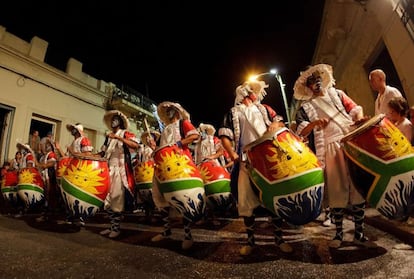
(282, 89)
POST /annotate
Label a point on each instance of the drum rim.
(370, 122)
(269, 135)
(89, 157)
(164, 146)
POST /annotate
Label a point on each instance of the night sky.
(191, 52)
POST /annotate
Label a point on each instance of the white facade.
(352, 35)
(31, 90)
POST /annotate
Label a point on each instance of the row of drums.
(286, 174)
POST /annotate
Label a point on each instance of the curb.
(400, 230)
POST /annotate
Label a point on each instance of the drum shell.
(217, 187)
(30, 187)
(144, 174)
(9, 185)
(179, 181)
(85, 184)
(381, 165)
(62, 164)
(287, 175)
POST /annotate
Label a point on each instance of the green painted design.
(74, 191)
(385, 170)
(285, 187)
(177, 185)
(142, 186)
(8, 189)
(30, 187)
(218, 186)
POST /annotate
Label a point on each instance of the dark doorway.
(384, 62)
(42, 127)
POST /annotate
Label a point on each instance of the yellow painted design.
(85, 177)
(291, 157)
(174, 166)
(205, 173)
(27, 177)
(394, 143)
(144, 172)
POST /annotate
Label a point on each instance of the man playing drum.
(246, 122)
(80, 146)
(180, 132)
(325, 116)
(116, 150)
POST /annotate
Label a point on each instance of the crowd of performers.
(252, 161)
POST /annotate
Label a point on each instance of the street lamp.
(282, 89)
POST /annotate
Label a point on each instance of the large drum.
(85, 185)
(62, 164)
(381, 164)
(30, 187)
(180, 182)
(216, 181)
(288, 176)
(9, 186)
(144, 173)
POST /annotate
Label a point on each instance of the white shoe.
(336, 243)
(187, 243)
(114, 234)
(158, 238)
(105, 232)
(41, 219)
(365, 242)
(63, 222)
(327, 223)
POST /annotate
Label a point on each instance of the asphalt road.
(30, 249)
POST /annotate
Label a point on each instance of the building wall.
(352, 39)
(34, 89)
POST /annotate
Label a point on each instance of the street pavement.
(30, 249)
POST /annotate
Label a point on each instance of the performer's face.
(74, 132)
(252, 96)
(314, 82)
(116, 121)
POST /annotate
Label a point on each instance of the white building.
(357, 36)
(35, 95)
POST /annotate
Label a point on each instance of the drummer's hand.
(360, 121)
(275, 126)
(321, 123)
(234, 156)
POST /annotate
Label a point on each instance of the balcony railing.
(405, 10)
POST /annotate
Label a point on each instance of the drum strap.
(337, 115)
(112, 143)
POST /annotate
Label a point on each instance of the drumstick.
(147, 126)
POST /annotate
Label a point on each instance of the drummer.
(47, 166)
(209, 148)
(246, 122)
(150, 141)
(325, 116)
(116, 150)
(27, 161)
(180, 131)
(80, 146)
